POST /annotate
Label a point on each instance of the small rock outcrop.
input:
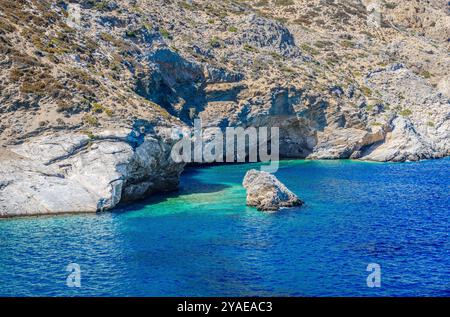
(267, 193)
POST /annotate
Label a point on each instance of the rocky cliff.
(89, 89)
(66, 173)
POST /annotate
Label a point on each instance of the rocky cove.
(70, 172)
(88, 105)
(77, 173)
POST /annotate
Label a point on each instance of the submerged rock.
(267, 193)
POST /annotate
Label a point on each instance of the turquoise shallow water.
(204, 241)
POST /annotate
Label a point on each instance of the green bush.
(347, 44)
(366, 91)
(308, 49)
(215, 42)
(262, 3)
(99, 108)
(90, 120)
(284, 2)
(164, 33)
(390, 5)
(405, 112)
(426, 74)
(250, 48)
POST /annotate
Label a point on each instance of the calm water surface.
(204, 241)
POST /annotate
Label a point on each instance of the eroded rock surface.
(76, 173)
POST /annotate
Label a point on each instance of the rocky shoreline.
(90, 91)
(79, 173)
(86, 174)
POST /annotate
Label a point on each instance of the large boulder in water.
(267, 193)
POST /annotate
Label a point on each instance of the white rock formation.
(267, 193)
(76, 173)
(421, 127)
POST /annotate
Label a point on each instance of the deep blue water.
(204, 241)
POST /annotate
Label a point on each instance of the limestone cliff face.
(341, 78)
(66, 173)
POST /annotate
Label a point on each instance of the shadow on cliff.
(178, 84)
